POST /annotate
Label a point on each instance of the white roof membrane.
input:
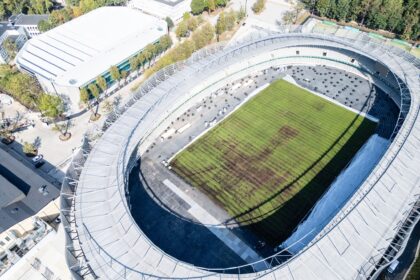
(78, 51)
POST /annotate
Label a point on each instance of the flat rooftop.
(22, 19)
(27, 180)
(9, 193)
(76, 52)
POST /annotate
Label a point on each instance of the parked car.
(393, 266)
(8, 140)
(39, 164)
(37, 158)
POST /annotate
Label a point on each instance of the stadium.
(289, 154)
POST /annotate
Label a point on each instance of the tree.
(10, 47)
(150, 50)
(299, 7)
(94, 91)
(29, 148)
(124, 76)
(258, 6)
(170, 23)
(84, 95)
(241, 14)
(203, 36)
(187, 48)
(411, 20)
(134, 64)
(20, 86)
(220, 25)
(394, 10)
(101, 82)
(211, 5)
(221, 3)
(40, 6)
(77, 11)
(115, 73)
(182, 29)
(332, 10)
(342, 9)
(141, 59)
(230, 20)
(52, 107)
(186, 16)
(364, 9)
(44, 25)
(165, 42)
(192, 24)
(322, 6)
(208, 30)
(198, 6)
(289, 17)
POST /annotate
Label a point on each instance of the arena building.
(70, 56)
(163, 8)
(356, 238)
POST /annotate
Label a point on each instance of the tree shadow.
(37, 142)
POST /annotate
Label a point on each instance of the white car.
(393, 266)
(37, 158)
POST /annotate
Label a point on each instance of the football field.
(269, 162)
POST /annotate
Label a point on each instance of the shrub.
(258, 6)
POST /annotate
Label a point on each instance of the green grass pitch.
(268, 162)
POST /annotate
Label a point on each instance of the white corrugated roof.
(75, 52)
(348, 247)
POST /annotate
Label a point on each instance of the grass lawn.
(271, 160)
(414, 273)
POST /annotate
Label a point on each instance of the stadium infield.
(269, 162)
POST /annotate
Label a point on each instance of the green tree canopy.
(50, 106)
(186, 16)
(94, 90)
(182, 29)
(115, 73)
(165, 42)
(259, 6)
(198, 6)
(20, 86)
(169, 22)
(399, 16)
(134, 64)
(84, 95)
(10, 47)
(192, 23)
(101, 82)
(221, 24)
(141, 58)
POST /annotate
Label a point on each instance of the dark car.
(38, 164)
